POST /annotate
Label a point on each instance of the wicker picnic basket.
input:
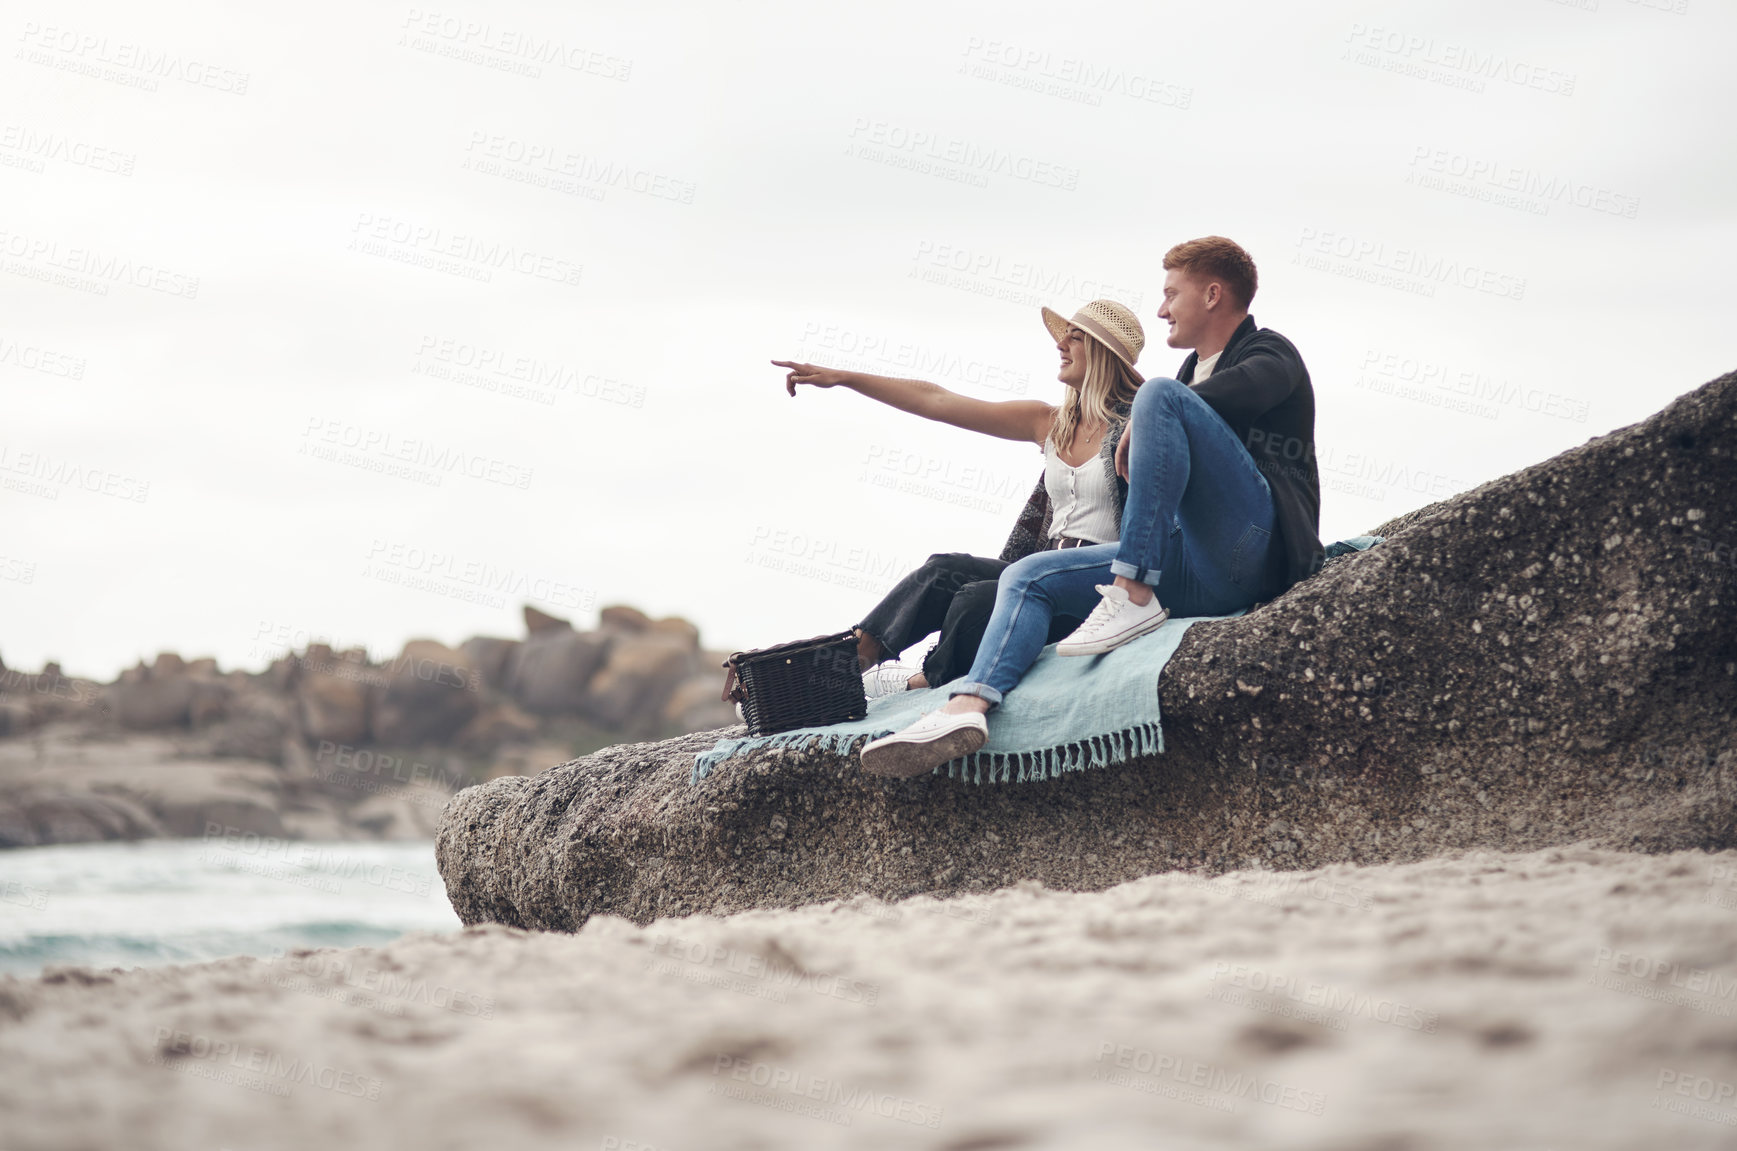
(805, 683)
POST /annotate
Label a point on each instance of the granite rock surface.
(1547, 659)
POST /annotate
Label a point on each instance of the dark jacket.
(1262, 390)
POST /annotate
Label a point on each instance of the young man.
(1223, 506)
(1254, 380)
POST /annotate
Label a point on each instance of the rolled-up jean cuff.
(981, 690)
(1129, 571)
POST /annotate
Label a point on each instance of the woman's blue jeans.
(1198, 527)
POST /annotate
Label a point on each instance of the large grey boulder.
(642, 672)
(254, 727)
(150, 699)
(1549, 658)
(698, 704)
(490, 657)
(550, 670)
(332, 695)
(430, 693)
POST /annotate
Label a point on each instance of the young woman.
(1078, 500)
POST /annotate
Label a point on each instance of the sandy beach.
(1565, 998)
(420, 421)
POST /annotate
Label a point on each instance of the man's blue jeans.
(1198, 527)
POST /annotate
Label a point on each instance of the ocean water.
(183, 901)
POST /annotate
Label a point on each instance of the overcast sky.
(368, 321)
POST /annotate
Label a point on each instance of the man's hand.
(1122, 451)
(810, 374)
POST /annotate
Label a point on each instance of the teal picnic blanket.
(1067, 713)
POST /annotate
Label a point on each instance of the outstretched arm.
(1006, 419)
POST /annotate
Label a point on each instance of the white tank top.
(1082, 500)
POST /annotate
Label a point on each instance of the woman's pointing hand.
(810, 374)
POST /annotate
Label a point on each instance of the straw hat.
(1111, 324)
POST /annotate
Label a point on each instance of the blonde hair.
(1109, 384)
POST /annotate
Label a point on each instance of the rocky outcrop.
(278, 752)
(1548, 658)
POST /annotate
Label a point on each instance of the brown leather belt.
(1071, 542)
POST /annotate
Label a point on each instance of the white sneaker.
(1114, 622)
(887, 679)
(926, 744)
